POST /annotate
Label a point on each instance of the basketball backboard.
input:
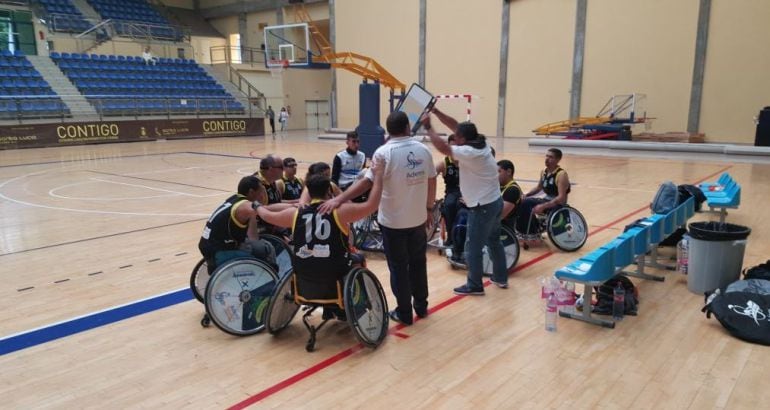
(287, 43)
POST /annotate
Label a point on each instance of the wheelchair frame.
(546, 224)
(359, 285)
(512, 251)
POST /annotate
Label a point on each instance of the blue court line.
(34, 337)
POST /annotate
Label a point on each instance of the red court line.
(297, 377)
(394, 330)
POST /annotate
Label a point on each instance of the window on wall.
(17, 31)
(235, 48)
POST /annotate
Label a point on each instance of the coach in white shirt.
(481, 191)
(408, 194)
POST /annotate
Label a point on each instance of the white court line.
(149, 187)
(88, 211)
(52, 192)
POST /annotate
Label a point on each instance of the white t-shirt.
(283, 116)
(409, 165)
(478, 175)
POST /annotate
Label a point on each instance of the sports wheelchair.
(368, 237)
(359, 297)
(510, 245)
(262, 272)
(566, 228)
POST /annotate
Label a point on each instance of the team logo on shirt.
(412, 162)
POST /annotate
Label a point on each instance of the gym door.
(317, 114)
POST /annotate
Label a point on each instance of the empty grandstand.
(126, 85)
(24, 91)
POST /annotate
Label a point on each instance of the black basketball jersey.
(223, 231)
(292, 188)
(320, 241)
(451, 175)
(511, 192)
(273, 195)
(549, 182)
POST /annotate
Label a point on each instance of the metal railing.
(98, 31)
(248, 55)
(21, 108)
(256, 98)
(112, 106)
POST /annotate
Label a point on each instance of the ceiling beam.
(251, 6)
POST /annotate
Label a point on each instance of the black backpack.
(687, 191)
(761, 271)
(604, 296)
(743, 308)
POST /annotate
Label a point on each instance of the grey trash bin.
(715, 255)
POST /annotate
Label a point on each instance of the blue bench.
(722, 200)
(723, 194)
(722, 181)
(593, 270)
(631, 246)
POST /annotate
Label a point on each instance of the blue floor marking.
(20, 341)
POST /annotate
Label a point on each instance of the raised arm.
(450, 122)
(438, 142)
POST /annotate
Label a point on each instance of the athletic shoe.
(499, 284)
(422, 313)
(396, 318)
(466, 290)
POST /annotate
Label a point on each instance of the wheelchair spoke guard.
(366, 307)
(567, 229)
(282, 308)
(238, 294)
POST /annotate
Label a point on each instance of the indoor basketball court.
(98, 241)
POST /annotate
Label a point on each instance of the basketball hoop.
(276, 67)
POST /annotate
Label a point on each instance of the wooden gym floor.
(86, 230)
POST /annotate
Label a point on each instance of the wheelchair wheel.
(367, 235)
(282, 254)
(238, 294)
(510, 246)
(366, 307)
(199, 279)
(567, 229)
(281, 309)
(433, 225)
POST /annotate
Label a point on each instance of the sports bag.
(761, 271)
(604, 296)
(666, 199)
(743, 308)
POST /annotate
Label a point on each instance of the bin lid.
(716, 231)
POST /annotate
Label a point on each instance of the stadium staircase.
(70, 95)
(221, 73)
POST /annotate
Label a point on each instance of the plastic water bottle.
(550, 313)
(618, 302)
(570, 288)
(682, 254)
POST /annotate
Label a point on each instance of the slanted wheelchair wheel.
(567, 229)
(367, 235)
(282, 308)
(238, 294)
(366, 307)
(199, 279)
(282, 254)
(510, 246)
(432, 227)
